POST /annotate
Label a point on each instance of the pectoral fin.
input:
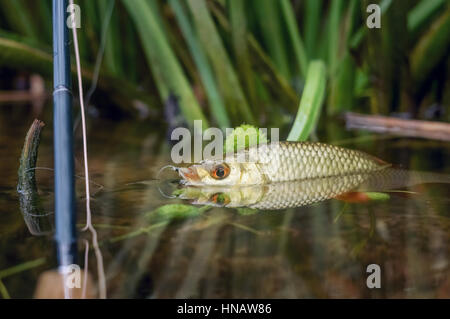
(361, 197)
(353, 197)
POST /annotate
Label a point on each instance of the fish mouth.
(189, 174)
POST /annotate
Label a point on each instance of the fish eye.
(220, 171)
(220, 198)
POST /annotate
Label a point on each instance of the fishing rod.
(65, 213)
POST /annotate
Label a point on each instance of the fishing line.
(100, 269)
(100, 186)
(174, 168)
(164, 194)
(99, 58)
(86, 261)
(165, 182)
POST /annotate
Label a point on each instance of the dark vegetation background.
(229, 62)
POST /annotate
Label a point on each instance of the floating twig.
(39, 222)
(403, 127)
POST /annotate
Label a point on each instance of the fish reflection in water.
(292, 194)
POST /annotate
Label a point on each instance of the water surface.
(316, 251)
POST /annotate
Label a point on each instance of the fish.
(280, 162)
(273, 196)
(292, 194)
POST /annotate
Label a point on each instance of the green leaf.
(178, 211)
(242, 137)
(378, 196)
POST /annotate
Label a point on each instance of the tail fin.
(395, 178)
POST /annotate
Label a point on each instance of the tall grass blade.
(90, 37)
(270, 76)
(18, 18)
(334, 35)
(310, 103)
(312, 26)
(422, 12)
(361, 33)
(166, 70)
(132, 48)
(113, 46)
(386, 56)
(269, 23)
(217, 106)
(396, 49)
(431, 48)
(224, 70)
(241, 52)
(299, 48)
(342, 82)
(43, 18)
(341, 93)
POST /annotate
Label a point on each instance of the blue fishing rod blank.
(65, 213)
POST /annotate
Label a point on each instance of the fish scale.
(288, 161)
(293, 194)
